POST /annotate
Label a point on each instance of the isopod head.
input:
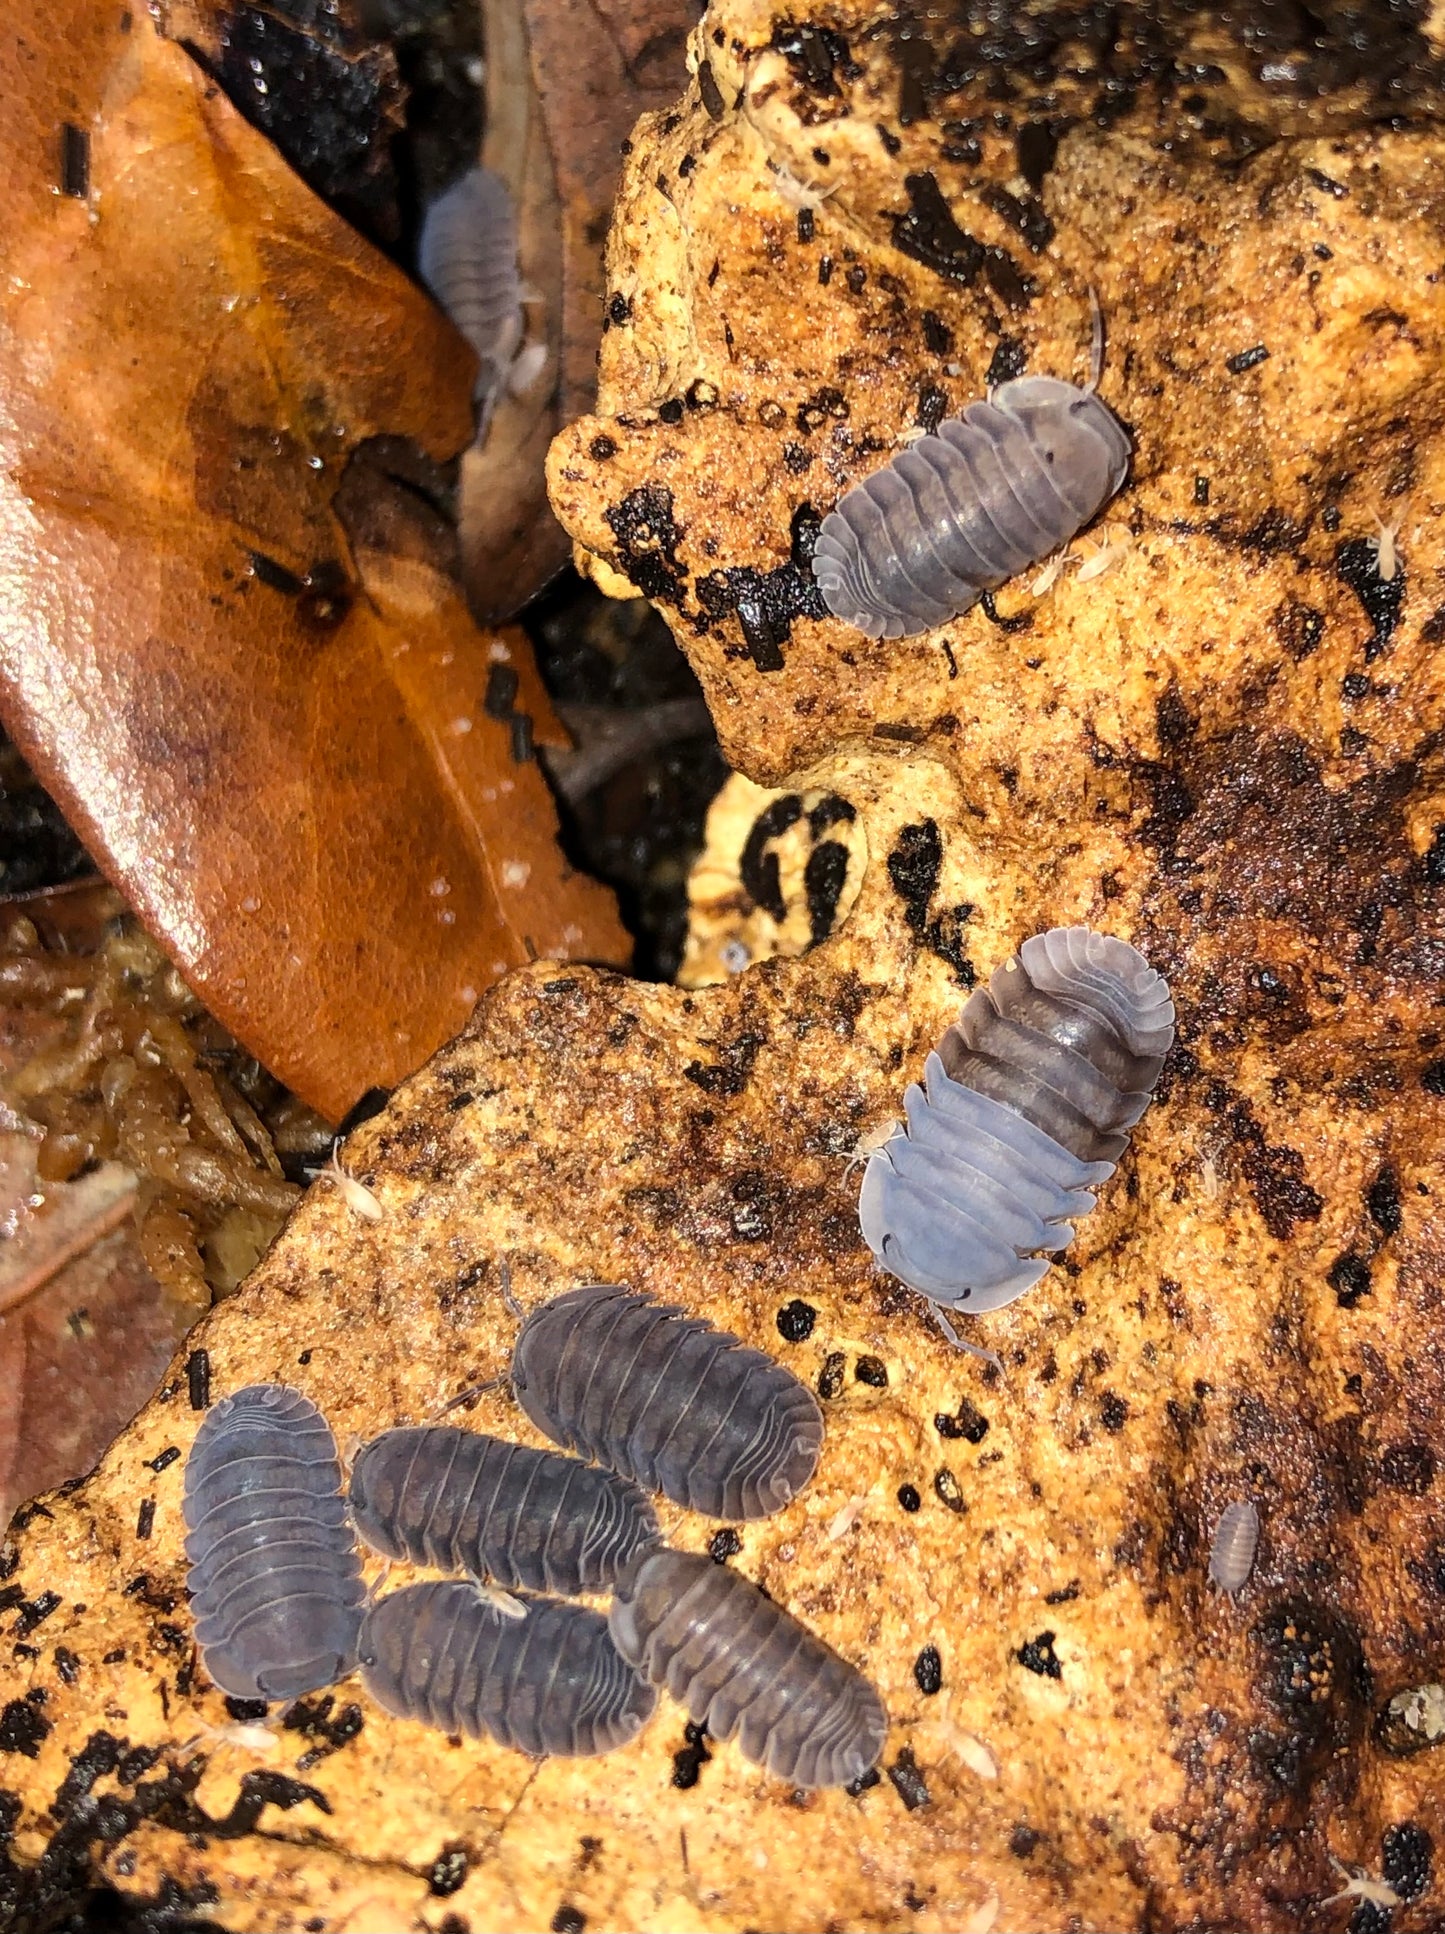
(1080, 441)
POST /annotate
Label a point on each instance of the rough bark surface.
(1224, 747)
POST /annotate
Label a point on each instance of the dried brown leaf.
(564, 87)
(275, 740)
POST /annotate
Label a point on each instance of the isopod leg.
(939, 1317)
(510, 1303)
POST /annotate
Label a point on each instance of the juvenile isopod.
(356, 1195)
(1387, 557)
(796, 193)
(1361, 1885)
(275, 1579)
(667, 1400)
(869, 1142)
(1025, 1109)
(1231, 1556)
(552, 1681)
(964, 509)
(528, 1519)
(467, 257)
(1053, 570)
(1114, 542)
(745, 1668)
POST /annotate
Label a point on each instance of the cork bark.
(1222, 742)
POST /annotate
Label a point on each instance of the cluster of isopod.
(653, 1398)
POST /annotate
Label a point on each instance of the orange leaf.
(274, 743)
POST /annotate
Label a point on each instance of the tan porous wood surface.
(1224, 746)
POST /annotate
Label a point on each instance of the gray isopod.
(1231, 1556)
(275, 1579)
(744, 1667)
(529, 1519)
(1025, 1108)
(551, 1682)
(667, 1400)
(974, 503)
(467, 257)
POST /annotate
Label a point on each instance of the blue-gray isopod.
(744, 1667)
(552, 1681)
(959, 511)
(275, 1578)
(667, 1400)
(467, 257)
(1025, 1108)
(1231, 1556)
(529, 1519)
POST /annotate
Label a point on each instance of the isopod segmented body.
(551, 1682)
(744, 1667)
(467, 257)
(1231, 1556)
(275, 1577)
(1025, 1109)
(980, 499)
(529, 1519)
(667, 1400)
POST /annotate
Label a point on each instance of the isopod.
(962, 510)
(467, 257)
(552, 1681)
(1024, 1110)
(356, 1195)
(275, 1578)
(1113, 545)
(667, 1400)
(745, 1668)
(1231, 1556)
(1361, 1885)
(1053, 570)
(528, 1519)
(1387, 555)
(869, 1142)
(796, 193)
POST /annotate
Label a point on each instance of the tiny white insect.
(870, 1142)
(734, 955)
(844, 1520)
(249, 1738)
(796, 193)
(356, 1195)
(502, 1603)
(1387, 554)
(1114, 548)
(983, 1918)
(1208, 1179)
(1360, 1885)
(1053, 570)
(967, 1747)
